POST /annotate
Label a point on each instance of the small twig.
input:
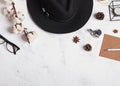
(25, 29)
(13, 4)
(25, 32)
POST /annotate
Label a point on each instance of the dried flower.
(18, 28)
(8, 13)
(20, 17)
(17, 17)
(31, 36)
(76, 39)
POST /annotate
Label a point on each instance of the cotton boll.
(19, 18)
(18, 28)
(8, 1)
(5, 11)
(11, 13)
(8, 13)
(31, 36)
(14, 30)
(11, 10)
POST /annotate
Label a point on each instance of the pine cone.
(100, 16)
(88, 47)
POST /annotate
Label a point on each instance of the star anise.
(76, 39)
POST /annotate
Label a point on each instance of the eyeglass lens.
(11, 48)
(1, 41)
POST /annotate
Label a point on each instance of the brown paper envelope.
(110, 42)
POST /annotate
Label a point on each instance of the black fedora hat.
(60, 16)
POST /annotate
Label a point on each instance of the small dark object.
(95, 33)
(88, 47)
(115, 31)
(98, 32)
(76, 39)
(60, 16)
(100, 16)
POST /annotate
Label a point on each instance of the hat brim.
(81, 18)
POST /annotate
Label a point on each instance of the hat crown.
(60, 10)
(60, 16)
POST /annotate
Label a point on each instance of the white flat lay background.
(54, 60)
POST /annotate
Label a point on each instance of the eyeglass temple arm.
(3, 38)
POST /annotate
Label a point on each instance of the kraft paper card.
(110, 42)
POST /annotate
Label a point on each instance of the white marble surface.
(54, 60)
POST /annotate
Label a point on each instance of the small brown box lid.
(110, 42)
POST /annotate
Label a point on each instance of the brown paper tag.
(110, 42)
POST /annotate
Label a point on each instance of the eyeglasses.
(12, 48)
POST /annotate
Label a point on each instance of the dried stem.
(25, 32)
(15, 12)
(13, 5)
